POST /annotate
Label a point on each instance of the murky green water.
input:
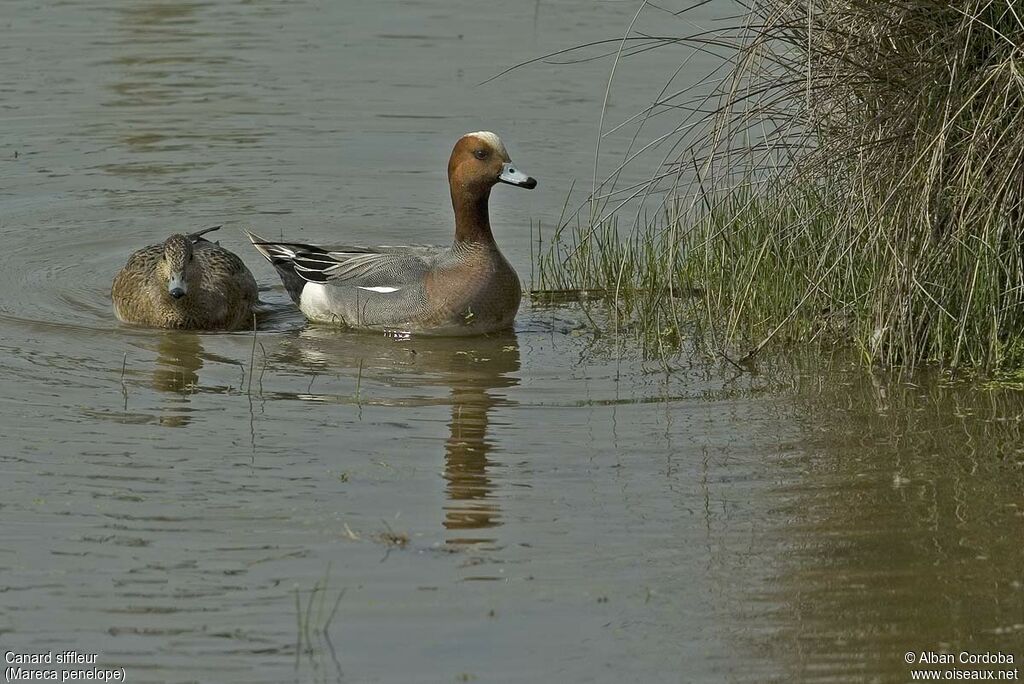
(515, 508)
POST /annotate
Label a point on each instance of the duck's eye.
(480, 154)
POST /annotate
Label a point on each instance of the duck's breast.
(479, 290)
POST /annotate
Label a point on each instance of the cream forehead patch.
(491, 139)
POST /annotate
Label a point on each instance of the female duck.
(467, 288)
(187, 282)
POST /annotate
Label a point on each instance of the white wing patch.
(380, 288)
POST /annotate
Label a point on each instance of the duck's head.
(175, 265)
(480, 161)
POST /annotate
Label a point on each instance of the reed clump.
(857, 175)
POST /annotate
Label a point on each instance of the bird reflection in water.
(179, 358)
(471, 500)
(474, 370)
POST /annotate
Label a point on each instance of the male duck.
(468, 288)
(186, 282)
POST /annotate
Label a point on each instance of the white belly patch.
(315, 303)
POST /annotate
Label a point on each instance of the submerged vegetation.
(854, 173)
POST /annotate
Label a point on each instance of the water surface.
(522, 507)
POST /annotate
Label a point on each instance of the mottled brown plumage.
(186, 282)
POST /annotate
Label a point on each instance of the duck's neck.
(472, 223)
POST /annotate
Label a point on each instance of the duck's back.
(227, 289)
(224, 271)
(366, 287)
(132, 288)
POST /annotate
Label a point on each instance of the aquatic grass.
(124, 386)
(314, 621)
(252, 357)
(614, 270)
(854, 172)
(392, 539)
